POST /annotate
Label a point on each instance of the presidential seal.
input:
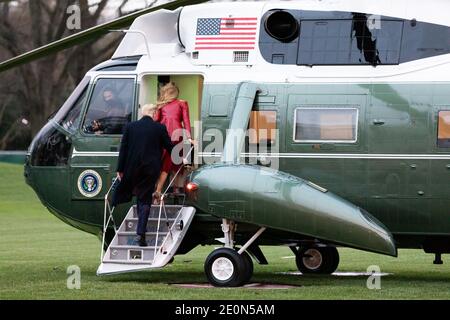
(89, 183)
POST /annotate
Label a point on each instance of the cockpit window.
(110, 106)
(72, 119)
(68, 115)
(50, 147)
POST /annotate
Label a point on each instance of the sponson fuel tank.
(270, 198)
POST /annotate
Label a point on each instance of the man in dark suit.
(139, 164)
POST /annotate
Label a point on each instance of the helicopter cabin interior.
(189, 85)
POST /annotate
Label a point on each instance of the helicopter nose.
(50, 148)
(46, 167)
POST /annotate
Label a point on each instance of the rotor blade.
(88, 34)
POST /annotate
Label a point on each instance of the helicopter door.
(109, 109)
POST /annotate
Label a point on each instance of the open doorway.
(190, 89)
(190, 86)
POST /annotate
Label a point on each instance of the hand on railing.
(186, 160)
(112, 187)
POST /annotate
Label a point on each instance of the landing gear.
(317, 260)
(438, 259)
(248, 269)
(225, 267)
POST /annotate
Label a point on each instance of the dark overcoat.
(140, 159)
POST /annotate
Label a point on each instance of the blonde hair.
(148, 109)
(167, 93)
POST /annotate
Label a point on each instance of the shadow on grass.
(179, 276)
(326, 280)
(155, 277)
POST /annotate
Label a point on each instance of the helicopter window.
(72, 119)
(262, 128)
(326, 125)
(444, 129)
(349, 42)
(50, 148)
(120, 67)
(110, 106)
(71, 103)
(340, 38)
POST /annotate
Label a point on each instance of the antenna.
(138, 32)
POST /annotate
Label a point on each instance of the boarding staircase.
(166, 227)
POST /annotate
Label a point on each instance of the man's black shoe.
(142, 242)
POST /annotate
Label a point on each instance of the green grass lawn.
(36, 248)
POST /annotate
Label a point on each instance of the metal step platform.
(166, 227)
(163, 238)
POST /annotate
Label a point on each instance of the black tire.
(233, 271)
(317, 260)
(248, 272)
(334, 261)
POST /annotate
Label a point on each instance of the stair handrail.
(161, 205)
(108, 210)
(176, 174)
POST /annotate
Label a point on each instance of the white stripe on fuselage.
(338, 156)
(76, 153)
(382, 156)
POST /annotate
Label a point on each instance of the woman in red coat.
(174, 114)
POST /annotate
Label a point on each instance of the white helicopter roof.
(157, 27)
(161, 27)
(163, 30)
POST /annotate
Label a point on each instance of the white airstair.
(166, 227)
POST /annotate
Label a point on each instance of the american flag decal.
(226, 33)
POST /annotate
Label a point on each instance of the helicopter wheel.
(248, 268)
(317, 260)
(225, 267)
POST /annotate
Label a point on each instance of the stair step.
(127, 262)
(174, 195)
(130, 225)
(129, 238)
(131, 253)
(127, 246)
(124, 255)
(171, 211)
(163, 219)
(130, 233)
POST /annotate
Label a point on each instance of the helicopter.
(320, 124)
